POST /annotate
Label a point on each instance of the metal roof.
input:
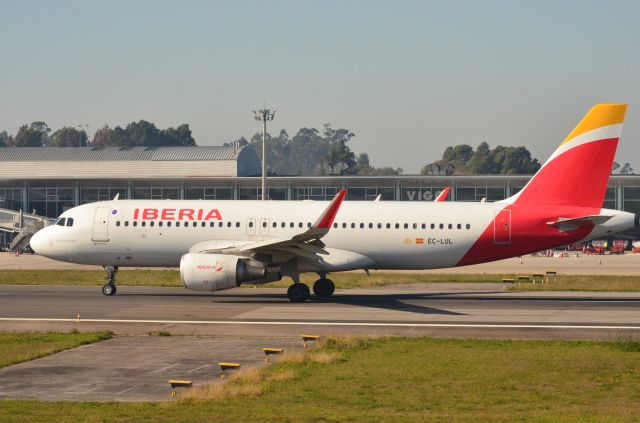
(30, 154)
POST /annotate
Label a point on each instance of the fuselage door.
(264, 226)
(251, 226)
(502, 227)
(100, 231)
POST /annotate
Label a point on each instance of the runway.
(478, 310)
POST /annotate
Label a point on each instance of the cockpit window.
(70, 221)
(61, 221)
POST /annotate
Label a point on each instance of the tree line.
(141, 133)
(464, 160)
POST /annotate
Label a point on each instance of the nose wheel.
(109, 288)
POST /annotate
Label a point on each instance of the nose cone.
(38, 242)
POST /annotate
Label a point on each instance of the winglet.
(329, 214)
(443, 195)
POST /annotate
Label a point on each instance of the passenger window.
(424, 226)
(275, 225)
(441, 226)
(251, 224)
(126, 223)
(308, 224)
(203, 224)
(344, 225)
(228, 224)
(459, 226)
(468, 226)
(406, 226)
(160, 223)
(135, 223)
(353, 225)
(220, 224)
(450, 226)
(194, 224)
(433, 226)
(335, 225)
(177, 224)
(299, 224)
(151, 223)
(361, 225)
(415, 226)
(212, 224)
(388, 225)
(379, 225)
(118, 223)
(144, 223)
(168, 224)
(370, 225)
(283, 225)
(397, 226)
(264, 224)
(238, 224)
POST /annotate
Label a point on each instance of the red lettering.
(168, 214)
(199, 214)
(213, 214)
(135, 213)
(185, 213)
(148, 214)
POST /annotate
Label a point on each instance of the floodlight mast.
(264, 115)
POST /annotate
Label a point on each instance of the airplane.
(222, 244)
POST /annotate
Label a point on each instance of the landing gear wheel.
(298, 293)
(324, 288)
(109, 289)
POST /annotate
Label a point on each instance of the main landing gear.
(109, 288)
(299, 292)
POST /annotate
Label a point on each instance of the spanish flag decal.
(419, 240)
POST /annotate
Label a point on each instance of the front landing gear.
(324, 288)
(298, 293)
(109, 288)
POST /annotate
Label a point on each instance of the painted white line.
(126, 390)
(164, 368)
(285, 323)
(198, 368)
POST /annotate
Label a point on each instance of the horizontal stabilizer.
(567, 225)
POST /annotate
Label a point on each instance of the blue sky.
(409, 78)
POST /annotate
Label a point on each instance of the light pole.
(80, 133)
(264, 115)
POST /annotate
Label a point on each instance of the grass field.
(18, 347)
(398, 380)
(171, 278)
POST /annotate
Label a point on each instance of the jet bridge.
(16, 228)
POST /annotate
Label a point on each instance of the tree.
(338, 152)
(34, 135)
(68, 137)
(481, 162)
(6, 140)
(102, 137)
(180, 136)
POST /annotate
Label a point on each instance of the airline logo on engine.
(209, 267)
(177, 214)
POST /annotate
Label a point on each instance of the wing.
(306, 245)
(567, 225)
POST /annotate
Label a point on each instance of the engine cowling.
(215, 272)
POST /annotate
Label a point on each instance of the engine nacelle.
(215, 272)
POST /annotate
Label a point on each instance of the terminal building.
(46, 181)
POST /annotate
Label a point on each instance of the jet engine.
(215, 272)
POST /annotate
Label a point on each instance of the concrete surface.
(128, 368)
(480, 310)
(627, 264)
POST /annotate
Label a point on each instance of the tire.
(108, 289)
(298, 293)
(323, 288)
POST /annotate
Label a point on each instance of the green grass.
(406, 380)
(18, 347)
(171, 278)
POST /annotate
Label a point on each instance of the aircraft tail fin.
(577, 173)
